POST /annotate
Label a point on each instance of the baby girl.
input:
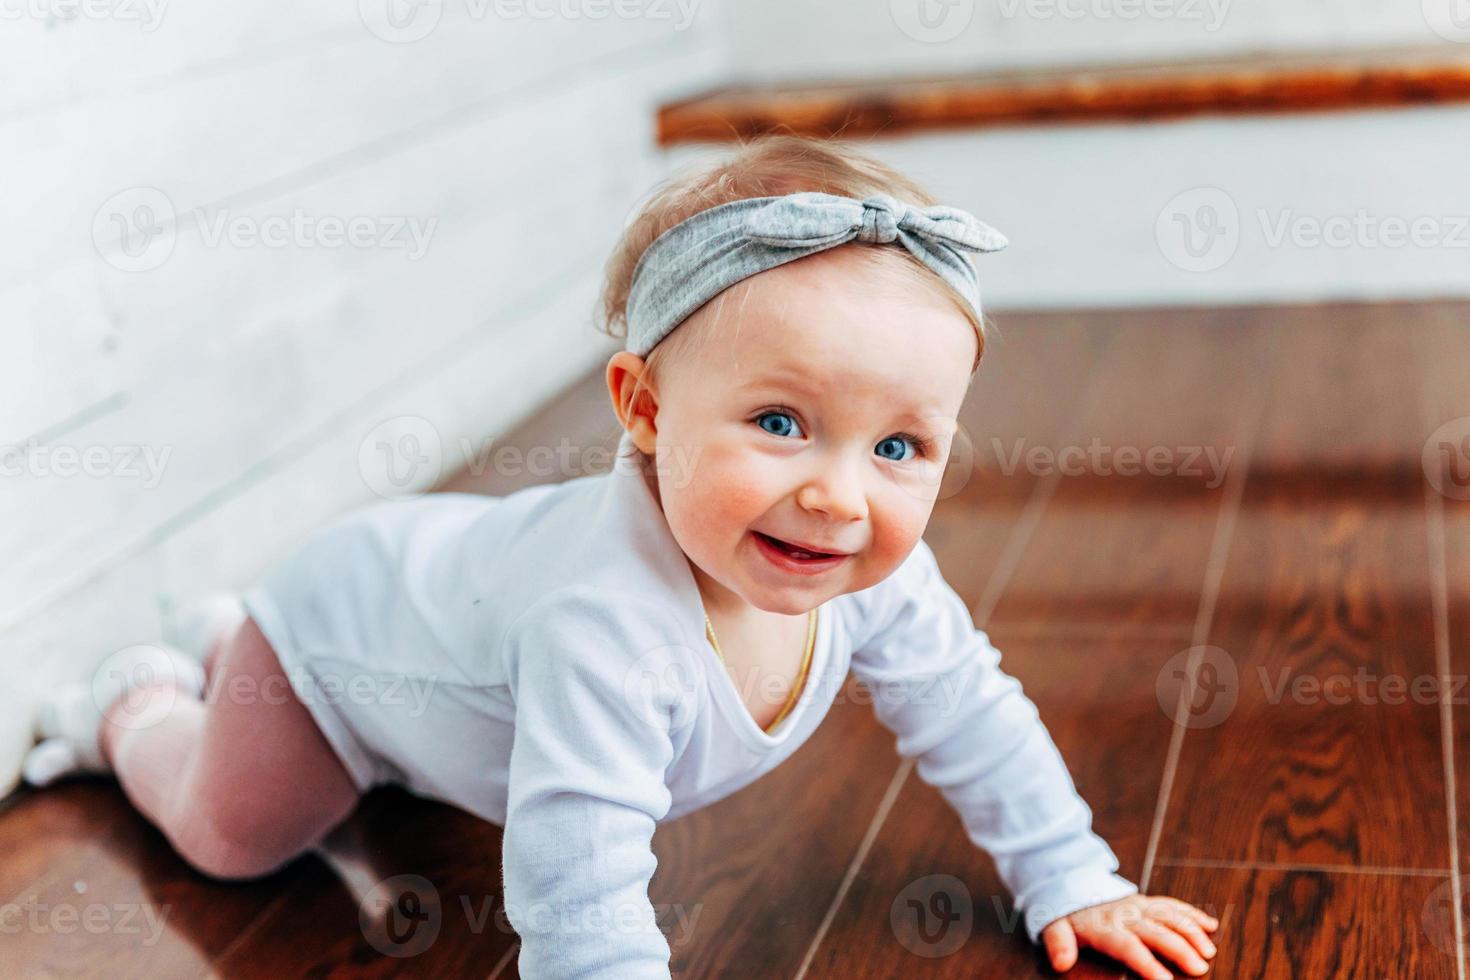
(800, 325)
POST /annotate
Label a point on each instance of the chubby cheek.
(731, 500)
(714, 508)
(894, 537)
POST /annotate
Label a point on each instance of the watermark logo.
(1362, 229)
(409, 234)
(401, 458)
(134, 229)
(147, 13)
(137, 686)
(947, 469)
(1198, 687)
(1199, 230)
(666, 687)
(1447, 459)
(400, 21)
(143, 463)
(1450, 19)
(1097, 458)
(143, 922)
(1437, 917)
(1209, 13)
(932, 916)
(407, 21)
(932, 21)
(401, 916)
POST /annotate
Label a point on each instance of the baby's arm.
(585, 791)
(936, 682)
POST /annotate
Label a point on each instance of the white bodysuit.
(540, 660)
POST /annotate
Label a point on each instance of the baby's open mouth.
(792, 549)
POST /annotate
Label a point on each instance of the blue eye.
(922, 446)
(779, 429)
(892, 441)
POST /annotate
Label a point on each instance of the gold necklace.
(806, 662)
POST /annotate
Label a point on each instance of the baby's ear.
(634, 401)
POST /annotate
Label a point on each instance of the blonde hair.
(766, 166)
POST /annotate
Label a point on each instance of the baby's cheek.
(731, 499)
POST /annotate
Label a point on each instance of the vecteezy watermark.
(1363, 229)
(136, 230)
(1200, 230)
(122, 462)
(1198, 687)
(932, 916)
(406, 21)
(932, 21)
(666, 687)
(1447, 458)
(404, 456)
(390, 688)
(301, 229)
(1201, 686)
(403, 916)
(28, 914)
(1098, 459)
(147, 13)
(1362, 686)
(1450, 19)
(1438, 916)
(138, 686)
(1209, 13)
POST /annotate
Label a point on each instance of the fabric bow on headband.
(697, 259)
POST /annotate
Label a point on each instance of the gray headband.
(697, 259)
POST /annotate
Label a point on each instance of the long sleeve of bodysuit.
(936, 682)
(585, 789)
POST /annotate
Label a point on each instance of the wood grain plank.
(1446, 461)
(1323, 589)
(88, 887)
(1310, 923)
(1141, 472)
(922, 849)
(407, 885)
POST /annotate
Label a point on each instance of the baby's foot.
(69, 721)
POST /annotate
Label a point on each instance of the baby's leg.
(242, 782)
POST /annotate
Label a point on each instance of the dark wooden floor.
(1304, 790)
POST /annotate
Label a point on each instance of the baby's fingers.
(1204, 918)
(1172, 945)
(1190, 929)
(1130, 950)
(1061, 945)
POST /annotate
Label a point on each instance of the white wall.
(820, 39)
(252, 372)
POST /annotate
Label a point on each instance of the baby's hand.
(1128, 928)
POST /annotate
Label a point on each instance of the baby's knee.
(216, 856)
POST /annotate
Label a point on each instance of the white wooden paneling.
(243, 136)
(817, 39)
(255, 371)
